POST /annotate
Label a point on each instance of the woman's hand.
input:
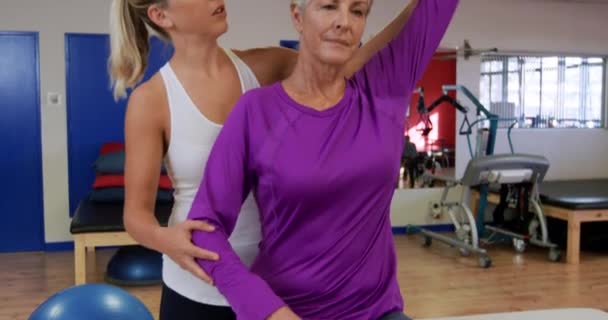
(175, 241)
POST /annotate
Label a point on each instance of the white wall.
(539, 26)
(574, 154)
(509, 25)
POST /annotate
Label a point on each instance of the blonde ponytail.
(129, 43)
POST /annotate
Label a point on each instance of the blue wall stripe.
(59, 246)
(401, 230)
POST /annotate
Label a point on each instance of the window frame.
(505, 57)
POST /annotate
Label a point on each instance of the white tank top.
(192, 137)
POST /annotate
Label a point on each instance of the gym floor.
(435, 281)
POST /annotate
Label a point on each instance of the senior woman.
(320, 153)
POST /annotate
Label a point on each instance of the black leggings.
(174, 306)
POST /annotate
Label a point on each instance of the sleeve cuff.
(253, 299)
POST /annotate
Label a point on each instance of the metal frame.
(470, 229)
(543, 54)
(605, 92)
(604, 112)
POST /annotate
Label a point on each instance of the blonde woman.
(176, 116)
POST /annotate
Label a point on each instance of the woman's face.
(331, 30)
(195, 17)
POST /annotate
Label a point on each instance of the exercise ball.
(92, 302)
(135, 266)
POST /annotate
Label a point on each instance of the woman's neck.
(198, 54)
(319, 86)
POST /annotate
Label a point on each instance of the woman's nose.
(342, 19)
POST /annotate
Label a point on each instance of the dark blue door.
(93, 117)
(21, 207)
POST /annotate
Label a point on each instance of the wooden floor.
(434, 281)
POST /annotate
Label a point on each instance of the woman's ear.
(296, 17)
(157, 15)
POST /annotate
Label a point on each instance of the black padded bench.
(574, 201)
(98, 224)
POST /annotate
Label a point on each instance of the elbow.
(128, 220)
(132, 219)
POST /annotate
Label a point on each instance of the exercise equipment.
(582, 194)
(135, 266)
(577, 212)
(466, 51)
(484, 170)
(435, 157)
(471, 232)
(98, 224)
(92, 302)
(424, 112)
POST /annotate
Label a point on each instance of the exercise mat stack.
(109, 183)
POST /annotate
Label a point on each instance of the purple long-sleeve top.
(323, 181)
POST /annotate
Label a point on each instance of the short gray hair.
(300, 3)
(303, 3)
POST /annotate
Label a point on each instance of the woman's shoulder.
(270, 64)
(148, 101)
(150, 93)
(262, 95)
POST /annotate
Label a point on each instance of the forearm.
(143, 227)
(248, 294)
(380, 40)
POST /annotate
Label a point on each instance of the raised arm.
(226, 183)
(396, 68)
(380, 40)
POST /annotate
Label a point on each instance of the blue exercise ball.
(92, 302)
(135, 266)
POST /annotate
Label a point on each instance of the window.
(545, 91)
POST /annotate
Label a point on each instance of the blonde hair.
(130, 28)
